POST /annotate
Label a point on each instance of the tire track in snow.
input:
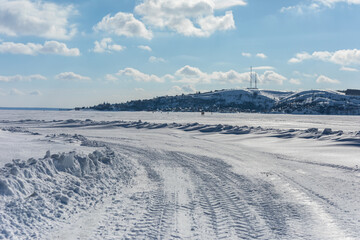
(218, 202)
(159, 211)
(227, 210)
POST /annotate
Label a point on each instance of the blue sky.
(81, 53)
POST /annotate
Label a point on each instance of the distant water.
(38, 109)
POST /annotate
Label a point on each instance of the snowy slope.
(248, 100)
(316, 101)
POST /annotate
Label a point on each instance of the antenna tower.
(255, 81)
(251, 76)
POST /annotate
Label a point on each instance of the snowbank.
(38, 193)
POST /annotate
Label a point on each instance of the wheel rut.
(195, 196)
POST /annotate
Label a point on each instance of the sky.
(85, 52)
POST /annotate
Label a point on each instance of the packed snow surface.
(110, 175)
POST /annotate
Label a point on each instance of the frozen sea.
(278, 121)
(144, 175)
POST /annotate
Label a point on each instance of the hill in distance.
(247, 100)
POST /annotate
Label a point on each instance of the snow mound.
(319, 102)
(39, 193)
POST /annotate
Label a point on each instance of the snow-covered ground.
(107, 175)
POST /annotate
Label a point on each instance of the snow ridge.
(352, 138)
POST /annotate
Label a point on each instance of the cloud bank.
(341, 57)
(49, 47)
(139, 76)
(189, 18)
(123, 24)
(107, 45)
(314, 6)
(21, 78)
(193, 75)
(36, 18)
(324, 79)
(70, 76)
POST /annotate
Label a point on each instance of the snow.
(138, 175)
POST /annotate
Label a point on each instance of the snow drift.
(37, 193)
(350, 137)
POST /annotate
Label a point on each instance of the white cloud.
(189, 71)
(189, 18)
(348, 69)
(139, 90)
(17, 92)
(49, 47)
(211, 24)
(36, 18)
(221, 4)
(261, 55)
(307, 75)
(346, 57)
(342, 57)
(54, 47)
(301, 8)
(263, 68)
(246, 54)
(299, 57)
(271, 77)
(70, 76)
(229, 77)
(19, 78)
(110, 77)
(168, 77)
(192, 75)
(324, 79)
(139, 76)
(188, 88)
(183, 89)
(146, 48)
(295, 81)
(106, 45)
(154, 59)
(123, 24)
(331, 3)
(315, 6)
(19, 48)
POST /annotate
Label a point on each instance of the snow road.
(187, 184)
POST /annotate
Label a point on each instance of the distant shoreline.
(36, 108)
